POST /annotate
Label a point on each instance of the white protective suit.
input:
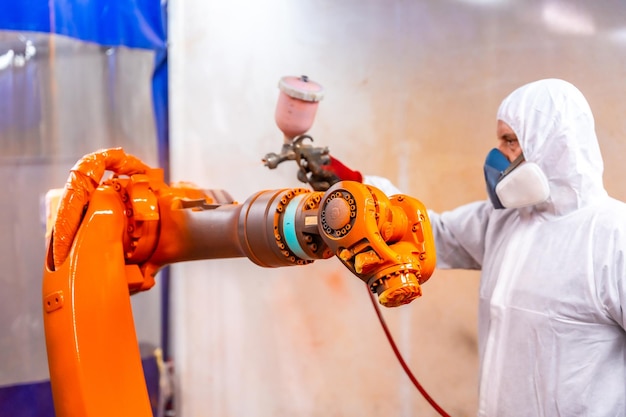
(553, 284)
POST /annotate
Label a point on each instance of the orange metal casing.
(93, 354)
(133, 226)
(386, 242)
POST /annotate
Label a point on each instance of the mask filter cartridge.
(514, 185)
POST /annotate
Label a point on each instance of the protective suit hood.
(555, 128)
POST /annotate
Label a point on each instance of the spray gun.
(295, 111)
(359, 235)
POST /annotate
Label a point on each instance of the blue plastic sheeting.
(160, 103)
(132, 23)
(115, 23)
(27, 400)
(35, 400)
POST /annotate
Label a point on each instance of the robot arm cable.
(403, 363)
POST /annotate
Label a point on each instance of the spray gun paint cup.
(297, 105)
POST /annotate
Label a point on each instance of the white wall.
(412, 88)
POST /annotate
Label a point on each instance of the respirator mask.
(514, 184)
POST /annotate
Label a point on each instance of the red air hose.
(401, 359)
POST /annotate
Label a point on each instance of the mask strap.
(514, 164)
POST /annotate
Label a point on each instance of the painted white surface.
(412, 90)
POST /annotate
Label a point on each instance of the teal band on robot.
(289, 227)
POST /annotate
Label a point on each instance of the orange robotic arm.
(110, 239)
